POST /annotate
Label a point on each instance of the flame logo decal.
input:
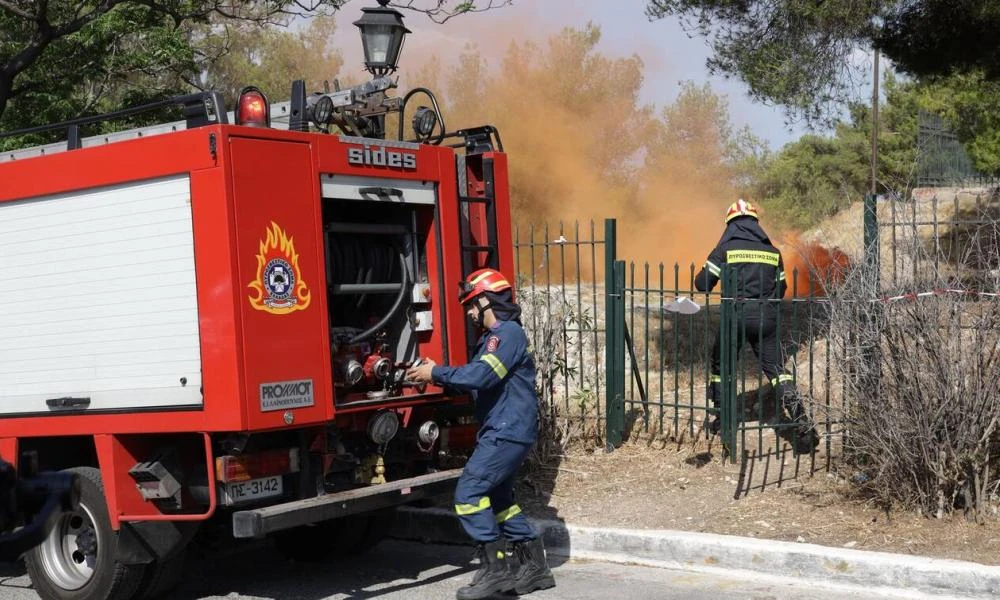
(278, 288)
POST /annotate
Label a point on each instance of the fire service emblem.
(278, 288)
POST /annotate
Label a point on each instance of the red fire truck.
(217, 322)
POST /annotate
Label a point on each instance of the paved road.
(413, 571)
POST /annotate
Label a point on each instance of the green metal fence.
(560, 291)
(615, 363)
(934, 235)
(647, 373)
(941, 157)
(667, 355)
(757, 425)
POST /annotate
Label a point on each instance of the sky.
(669, 55)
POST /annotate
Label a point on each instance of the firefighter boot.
(533, 573)
(713, 418)
(714, 421)
(805, 438)
(493, 576)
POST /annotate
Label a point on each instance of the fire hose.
(363, 267)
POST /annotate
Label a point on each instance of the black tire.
(162, 576)
(338, 538)
(77, 560)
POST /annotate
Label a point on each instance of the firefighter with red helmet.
(501, 379)
(760, 281)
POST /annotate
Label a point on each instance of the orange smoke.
(812, 269)
(582, 148)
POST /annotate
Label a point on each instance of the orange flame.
(278, 249)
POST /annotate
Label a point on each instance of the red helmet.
(480, 282)
(741, 208)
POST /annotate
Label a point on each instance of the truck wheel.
(77, 560)
(337, 538)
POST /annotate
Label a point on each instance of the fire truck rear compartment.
(375, 233)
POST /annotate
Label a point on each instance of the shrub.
(922, 388)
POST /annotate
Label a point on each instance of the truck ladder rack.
(488, 200)
(279, 120)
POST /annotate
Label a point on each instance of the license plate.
(255, 489)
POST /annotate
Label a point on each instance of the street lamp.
(361, 110)
(382, 33)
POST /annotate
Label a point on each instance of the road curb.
(712, 552)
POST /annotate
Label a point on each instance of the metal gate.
(617, 364)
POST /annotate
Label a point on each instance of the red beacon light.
(252, 109)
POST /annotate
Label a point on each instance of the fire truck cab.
(216, 321)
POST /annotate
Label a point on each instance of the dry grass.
(687, 488)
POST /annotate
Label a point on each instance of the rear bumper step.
(259, 522)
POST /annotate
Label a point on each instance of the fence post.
(728, 332)
(614, 341)
(871, 239)
(871, 384)
(615, 401)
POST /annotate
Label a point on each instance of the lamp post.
(382, 34)
(361, 110)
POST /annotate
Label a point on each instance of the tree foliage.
(235, 53)
(816, 176)
(796, 53)
(811, 179)
(970, 103)
(61, 59)
(941, 37)
(57, 61)
(803, 54)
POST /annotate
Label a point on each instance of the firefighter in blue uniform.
(760, 281)
(501, 379)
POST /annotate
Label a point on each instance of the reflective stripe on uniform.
(494, 364)
(753, 256)
(714, 270)
(511, 512)
(715, 379)
(469, 509)
(782, 378)
(781, 276)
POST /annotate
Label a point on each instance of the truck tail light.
(253, 109)
(245, 467)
